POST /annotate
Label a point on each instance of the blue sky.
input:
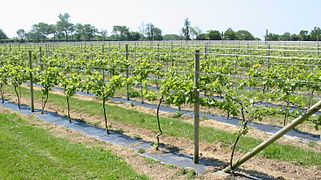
(278, 16)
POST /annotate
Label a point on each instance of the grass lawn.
(177, 128)
(28, 152)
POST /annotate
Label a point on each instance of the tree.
(149, 31)
(104, 34)
(213, 35)
(3, 35)
(304, 35)
(120, 33)
(285, 37)
(294, 37)
(186, 29)
(41, 31)
(244, 35)
(22, 34)
(273, 37)
(142, 28)
(44, 28)
(134, 36)
(195, 31)
(78, 31)
(35, 36)
(89, 31)
(86, 32)
(153, 33)
(64, 26)
(202, 36)
(171, 37)
(315, 34)
(229, 34)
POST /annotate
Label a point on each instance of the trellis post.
(32, 105)
(127, 72)
(196, 106)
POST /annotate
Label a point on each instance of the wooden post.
(315, 108)
(318, 42)
(40, 59)
(318, 46)
(236, 59)
(127, 72)
(268, 54)
(103, 68)
(102, 49)
(171, 51)
(47, 50)
(157, 56)
(31, 84)
(266, 36)
(205, 51)
(196, 106)
(135, 50)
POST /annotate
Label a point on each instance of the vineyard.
(252, 82)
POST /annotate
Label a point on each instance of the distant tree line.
(303, 35)
(64, 30)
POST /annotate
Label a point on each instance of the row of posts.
(196, 93)
(196, 153)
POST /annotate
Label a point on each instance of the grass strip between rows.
(29, 152)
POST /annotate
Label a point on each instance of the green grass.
(178, 128)
(28, 152)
